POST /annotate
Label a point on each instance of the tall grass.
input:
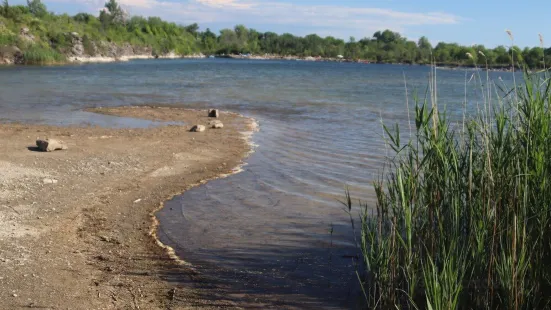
(462, 219)
(38, 55)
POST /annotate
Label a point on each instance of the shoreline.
(95, 224)
(155, 223)
(124, 58)
(101, 59)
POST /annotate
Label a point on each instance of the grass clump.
(38, 55)
(462, 219)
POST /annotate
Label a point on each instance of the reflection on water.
(276, 228)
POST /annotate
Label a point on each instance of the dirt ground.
(76, 225)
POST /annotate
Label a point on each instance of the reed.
(462, 219)
(38, 55)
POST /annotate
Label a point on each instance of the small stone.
(14, 295)
(214, 113)
(102, 258)
(50, 145)
(49, 181)
(216, 124)
(197, 128)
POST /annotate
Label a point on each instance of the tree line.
(113, 24)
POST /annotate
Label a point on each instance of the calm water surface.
(275, 231)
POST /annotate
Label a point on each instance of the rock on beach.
(197, 128)
(50, 145)
(216, 124)
(214, 113)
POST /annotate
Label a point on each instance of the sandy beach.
(77, 224)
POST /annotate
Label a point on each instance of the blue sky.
(465, 22)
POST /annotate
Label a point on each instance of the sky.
(466, 21)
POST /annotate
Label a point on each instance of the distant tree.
(104, 18)
(137, 24)
(387, 36)
(229, 42)
(516, 55)
(424, 50)
(5, 8)
(253, 38)
(242, 34)
(352, 49)
(193, 29)
(83, 17)
(115, 14)
(533, 57)
(502, 56)
(208, 41)
(37, 8)
(315, 45)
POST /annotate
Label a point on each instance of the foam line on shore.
(105, 59)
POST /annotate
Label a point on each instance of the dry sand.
(85, 242)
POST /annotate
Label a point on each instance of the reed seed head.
(510, 34)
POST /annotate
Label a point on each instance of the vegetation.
(35, 54)
(114, 26)
(463, 215)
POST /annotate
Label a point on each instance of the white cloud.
(226, 4)
(335, 20)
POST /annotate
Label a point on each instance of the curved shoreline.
(81, 239)
(238, 169)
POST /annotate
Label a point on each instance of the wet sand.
(86, 241)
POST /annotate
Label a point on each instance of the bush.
(38, 55)
(8, 39)
(88, 45)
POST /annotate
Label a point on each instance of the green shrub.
(88, 45)
(8, 39)
(39, 55)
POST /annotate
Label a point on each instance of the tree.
(229, 42)
(37, 8)
(425, 50)
(387, 36)
(83, 17)
(5, 8)
(242, 34)
(104, 18)
(114, 15)
(253, 44)
(208, 41)
(193, 29)
(502, 56)
(533, 57)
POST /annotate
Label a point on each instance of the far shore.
(78, 226)
(172, 55)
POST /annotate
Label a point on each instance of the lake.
(276, 230)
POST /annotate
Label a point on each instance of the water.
(275, 231)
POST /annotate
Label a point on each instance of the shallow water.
(277, 228)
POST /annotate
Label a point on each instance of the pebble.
(49, 181)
